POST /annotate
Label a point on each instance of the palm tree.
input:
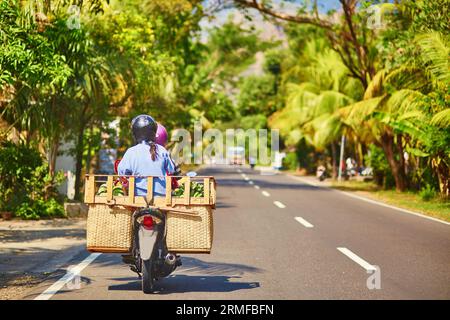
(396, 113)
(310, 111)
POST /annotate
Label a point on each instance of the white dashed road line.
(348, 194)
(305, 223)
(256, 187)
(279, 204)
(250, 182)
(71, 273)
(357, 259)
(265, 193)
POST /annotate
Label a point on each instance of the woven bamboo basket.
(190, 234)
(109, 229)
(189, 227)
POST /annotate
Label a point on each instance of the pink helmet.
(161, 135)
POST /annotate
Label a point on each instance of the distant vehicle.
(321, 173)
(368, 172)
(236, 155)
(252, 162)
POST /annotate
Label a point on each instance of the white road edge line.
(265, 193)
(70, 274)
(279, 204)
(373, 201)
(305, 223)
(357, 259)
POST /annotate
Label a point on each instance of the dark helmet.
(143, 128)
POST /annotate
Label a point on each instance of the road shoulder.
(30, 251)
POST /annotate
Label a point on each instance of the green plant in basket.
(197, 190)
(117, 190)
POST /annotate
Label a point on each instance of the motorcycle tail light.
(147, 222)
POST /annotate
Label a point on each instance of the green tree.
(257, 95)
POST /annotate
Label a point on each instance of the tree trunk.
(359, 154)
(88, 156)
(53, 154)
(443, 172)
(334, 159)
(387, 143)
(79, 161)
(401, 153)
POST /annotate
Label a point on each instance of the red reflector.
(148, 222)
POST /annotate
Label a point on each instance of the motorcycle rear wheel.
(148, 282)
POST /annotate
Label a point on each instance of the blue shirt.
(137, 161)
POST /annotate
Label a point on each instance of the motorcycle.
(252, 162)
(149, 257)
(321, 173)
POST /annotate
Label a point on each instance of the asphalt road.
(278, 238)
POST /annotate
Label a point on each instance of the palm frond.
(407, 76)
(294, 137)
(330, 101)
(405, 100)
(352, 88)
(415, 115)
(442, 119)
(357, 113)
(375, 87)
(327, 128)
(407, 127)
(435, 53)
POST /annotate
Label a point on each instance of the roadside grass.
(436, 207)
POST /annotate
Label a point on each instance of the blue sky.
(327, 5)
(289, 7)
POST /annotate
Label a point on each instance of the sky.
(267, 29)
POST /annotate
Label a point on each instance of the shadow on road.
(188, 283)
(197, 276)
(221, 205)
(190, 265)
(215, 268)
(39, 235)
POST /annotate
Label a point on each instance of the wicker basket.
(109, 225)
(190, 234)
(109, 229)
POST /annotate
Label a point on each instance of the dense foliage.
(385, 89)
(397, 116)
(26, 185)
